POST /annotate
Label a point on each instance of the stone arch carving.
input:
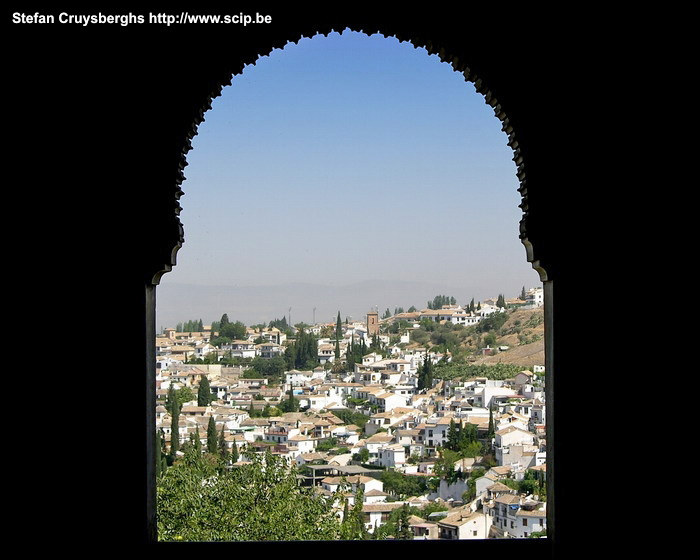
(507, 84)
(175, 238)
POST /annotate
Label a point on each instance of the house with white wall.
(517, 517)
(375, 443)
(240, 348)
(534, 297)
(464, 524)
(392, 456)
(511, 443)
(376, 515)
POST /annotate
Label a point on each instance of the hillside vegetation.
(521, 331)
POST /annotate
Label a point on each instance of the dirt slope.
(521, 326)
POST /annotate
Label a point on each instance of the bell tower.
(372, 323)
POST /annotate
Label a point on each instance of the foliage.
(327, 444)
(303, 352)
(470, 493)
(234, 331)
(354, 353)
(350, 416)
(180, 396)
(273, 368)
(212, 436)
(198, 500)
(397, 525)
(403, 486)
(353, 526)
(462, 438)
(439, 301)
(220, 341)
(466, 371)
(362, 455)
(493, 322)
(290, 404)
(204, 396)
(194, 325)
(425, 374)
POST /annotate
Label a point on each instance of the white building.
(393, 455)
(464, 525)
(516, 517)
(535, 297)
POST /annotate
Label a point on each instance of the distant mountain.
(177, 302)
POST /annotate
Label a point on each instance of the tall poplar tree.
(350, 354)
(174, 426)
(204, 392)
(212, 436)
(223, 449)
(197, 441)
(338, 336)
(492, 429)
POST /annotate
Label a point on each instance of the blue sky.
(349, 158)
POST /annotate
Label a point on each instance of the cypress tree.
(174, 427)
(452, 436)
(338, 336)
(158, 445)
(350, 355)
(212, 439)
(223, 449)
(492, 429)
(204, 392)
(403, 529)
(234, 453)
(197, 441)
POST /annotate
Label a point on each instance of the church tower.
(372, 323)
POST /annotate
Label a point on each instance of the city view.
(351, 346)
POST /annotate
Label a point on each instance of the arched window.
(480, 206)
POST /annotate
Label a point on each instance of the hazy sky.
(349, 158)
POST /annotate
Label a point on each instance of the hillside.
(521, 326)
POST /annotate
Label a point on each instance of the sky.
(339, 160)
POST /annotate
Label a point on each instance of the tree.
(353, 525)
(303, 353)
(204, 396)
(170, 399)
(338, 336)
(452, 436)
(258, 501)
(234, 331)
(159, 454)
(223, 448)
(492, 428)
(290, 404)
(403, 529)
(425, 374)
(234, 453)
(212, 439)
(439, 301)
(193, 443)
(174, 427)
(362, 455)
(501, 301)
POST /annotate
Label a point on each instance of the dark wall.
(101, 116)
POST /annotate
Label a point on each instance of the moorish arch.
(514, 82)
